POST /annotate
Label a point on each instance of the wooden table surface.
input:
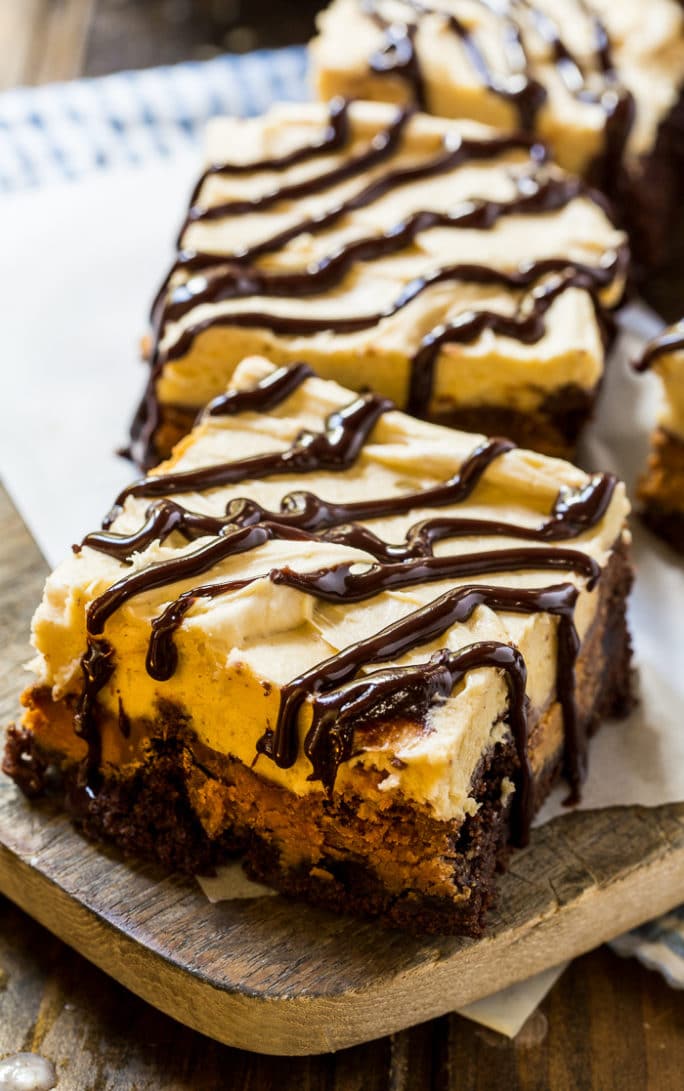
(607, 1024)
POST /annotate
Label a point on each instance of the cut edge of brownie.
(656, 184)
(658, 489)
(553, 428)
(154, 813)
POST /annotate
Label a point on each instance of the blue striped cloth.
(67, 130)
(659, 945)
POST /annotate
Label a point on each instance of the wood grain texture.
(608, 1024)
(279, 977)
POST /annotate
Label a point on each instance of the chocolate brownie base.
(667, 524)
(191, 808)
(553, 428)
(648, 199)
(661, 490)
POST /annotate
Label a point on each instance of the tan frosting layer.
(647, 51)
(490, 369)
(236, 650)
(670, 368)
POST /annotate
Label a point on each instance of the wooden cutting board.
(278, 977)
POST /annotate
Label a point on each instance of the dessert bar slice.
(439, 263)
(357, 646)
(600, 81)
(662, 486)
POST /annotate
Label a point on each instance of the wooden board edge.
(299, 1026)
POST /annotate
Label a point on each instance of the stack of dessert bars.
(358, 615)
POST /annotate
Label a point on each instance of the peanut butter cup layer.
(443, 264)
(356, 646)
(600, 81)
(661, 489)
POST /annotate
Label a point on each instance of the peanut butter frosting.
(665, 355)
(595, 78)
(440, 262)
(335, 593)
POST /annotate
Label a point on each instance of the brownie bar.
(622, 63)
(436, 262)
(360, 652)
(553, 428)
(191, 808)
(661, 489)
(648, 198)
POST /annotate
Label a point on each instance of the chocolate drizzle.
(337, 696)
(268, 394)
(335, 137)
(587, 277)
(97, 664)
(520, 88)
(670, 340)
(230, 542)
(526, 325)
(332, 735)
(97, 667)
(525, 94)
(214, 278)
(397, 55)
(233, 281)
(303, 510)
(382, 145)
(343, 583)
(572, 514)
(421, 627)
(333, 449)
(456, 151)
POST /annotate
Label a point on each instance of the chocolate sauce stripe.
(334, 523)
(377, 188)
(333, 449)
(335, 137)
(571, 513)
(527, 97)
(331, 738)
(202, 260)
(235, 541)
(456, 151)
(237, 282)
(616, 100)
(671, 340)
(421, 627)
(342, 584)
(382, 145)
(269, 393)
(304, 510)
(590, 278)
(527, 325)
